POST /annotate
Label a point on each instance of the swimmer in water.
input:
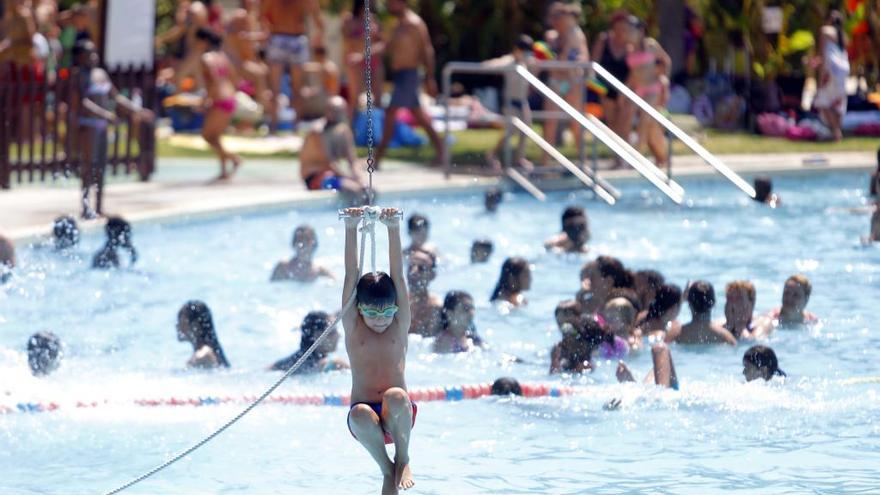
(701, 329)
(424, 306)
(662, 316)
(514, 281)
(457, 329)
(418, 228)
(573, 354)
(793, 312)
(662, 373)
(647, 283)
(44, 351)
(118, 237)
(493, 198)
(620, 313)
(376, 340)
(760, 362)
(599, 278)
(739, 309)
(196, 326)
(301, 267)
(7, 259)
(506, 386)
(312, 326)
(764, 192)
(575, 233)
(65, 233)
(481, 250)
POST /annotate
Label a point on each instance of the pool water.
(810, 434)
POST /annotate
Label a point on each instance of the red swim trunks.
(377, 408)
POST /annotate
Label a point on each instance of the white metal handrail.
(676, 131)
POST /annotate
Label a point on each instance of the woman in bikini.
(570, 44)
(353, 49)
(648, 66)
(220, 102)
(611, 51)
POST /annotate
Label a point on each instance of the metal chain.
(368, 84)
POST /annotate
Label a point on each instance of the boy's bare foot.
(404, 475)
(389, 486)
(623, 373)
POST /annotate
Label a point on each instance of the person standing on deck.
(410, 48)
(289, 45)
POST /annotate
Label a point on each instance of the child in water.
(376, 340)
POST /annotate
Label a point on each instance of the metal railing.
(595, 127)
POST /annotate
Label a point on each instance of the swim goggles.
(369, 312)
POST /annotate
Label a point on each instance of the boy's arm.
(351, 256)
(395, 264)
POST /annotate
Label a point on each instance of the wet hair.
(763, 357)
(207, 35)
(630, 295)
(119, 235)
(763, 188)
(610, 266)
(312, 326)
(304, 230)
(802, 281)
(493, 198)
(745, 286)
(652, 281)
(593, 334)
(668, 295)
(506, 386)
(508, 281)
(44, 353)
(417, 221)
(701, 297)
(198, 315)
(572, 212)
(524, 42)
(567, 305)
(450, 302)
(376, 289)
(65, 232)
(484, 244)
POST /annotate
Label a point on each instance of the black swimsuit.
(616, 66)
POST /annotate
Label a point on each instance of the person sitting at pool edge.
(65, 233)
(118, 236)
(575, 233)
(514, 281)
(481, 250)
(739, 309)
(760, 362)
(457, 330)
(418, 228)
(44, 352)
(701, 329)
(424, 306)
(312, 326)
(196, 326)
(301, 268)
(662, 316)
(7, 259)
(322, 151)
(764, 192)
(376, 340)
(493, 198)
(792, 313)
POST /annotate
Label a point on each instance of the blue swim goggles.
(369, 312)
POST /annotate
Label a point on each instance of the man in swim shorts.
(323, 149)
(376, 340)
(410, 49)
(288, 45)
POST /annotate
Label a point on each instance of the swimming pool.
(811, 434)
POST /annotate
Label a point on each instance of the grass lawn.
(470, 147)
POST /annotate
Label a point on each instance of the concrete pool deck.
(181, 187)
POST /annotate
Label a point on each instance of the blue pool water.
(811, 434)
